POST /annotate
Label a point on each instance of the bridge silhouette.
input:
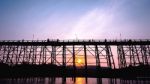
(64, 53)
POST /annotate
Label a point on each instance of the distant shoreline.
(50, 70)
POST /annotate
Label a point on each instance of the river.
(70, 80)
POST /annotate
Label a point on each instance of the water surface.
(77, 80)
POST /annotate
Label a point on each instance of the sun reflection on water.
(80, 80)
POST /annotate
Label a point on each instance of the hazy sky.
(68, 19)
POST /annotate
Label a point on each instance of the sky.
(74, 19)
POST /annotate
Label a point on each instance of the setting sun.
(79, 61)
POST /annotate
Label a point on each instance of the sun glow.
(79, 61)
(80, 80)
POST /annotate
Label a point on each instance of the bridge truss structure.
(99, 53)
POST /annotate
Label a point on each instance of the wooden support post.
(8, 54)
(4, 53)
(133, 55)
(123, 57)
(85, 58)
(17, 53)
(108, 56)
(74, 57)
(53, 55)
(97, 57)
(41, 50)
(13, 54)
(137, 54)
(64, 56)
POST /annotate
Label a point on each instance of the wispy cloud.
(95, 23)
(66, 20)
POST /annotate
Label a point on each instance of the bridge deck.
(74, 42)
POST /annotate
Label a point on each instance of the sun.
(79, 61)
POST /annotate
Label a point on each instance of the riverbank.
(50, 70)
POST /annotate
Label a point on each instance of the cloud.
(99, 22)
(94, 23)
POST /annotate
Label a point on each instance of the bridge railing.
(80, 40)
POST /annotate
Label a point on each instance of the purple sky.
(71, 19)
